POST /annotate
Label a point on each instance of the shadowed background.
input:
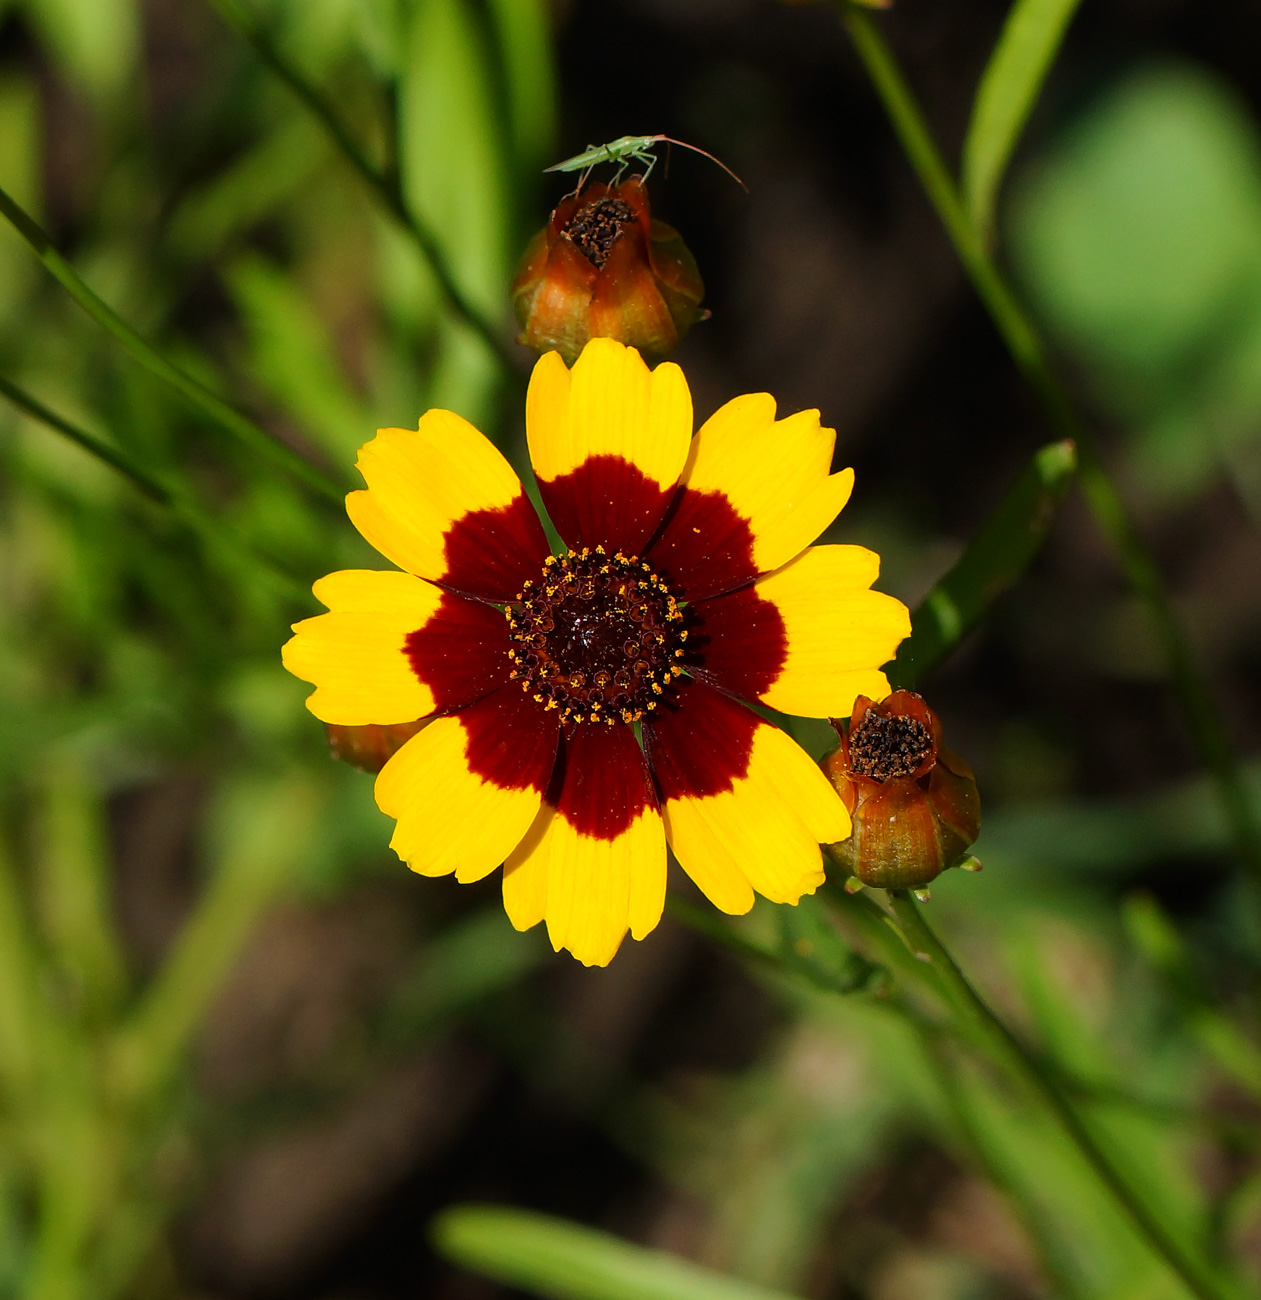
(383, 1045)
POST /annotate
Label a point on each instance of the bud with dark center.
(913, 803)
(371, 746)
(603, 268)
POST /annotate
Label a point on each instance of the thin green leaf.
(264, 832)
(1008, 90)
(19, 978)
(218, 539)
(554, 1258)
(523, 29)
(996, 558)
(113, 456)
(96, 41)
(384, 185)
(74, 893)
(245, 431)
(452, 172)
(292, 356)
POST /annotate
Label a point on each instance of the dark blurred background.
(676, 1097)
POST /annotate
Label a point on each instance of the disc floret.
(598, 636)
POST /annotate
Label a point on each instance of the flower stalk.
(230, 420)
(1184, 1258)
(1029, 352)
(383, 182)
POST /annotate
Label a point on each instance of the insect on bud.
(603, 268)
(369, 747)
(914, 804)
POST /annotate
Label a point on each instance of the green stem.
(245, 431)
(177, 500)
(1204, 717)
(113, 456)
(1199, 1276)
(947, 1073)
(383, 182)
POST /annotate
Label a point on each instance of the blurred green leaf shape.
(1008, 91)
(96, 41)
(1140, 231)
(1139, 237)
(993, 562)
(555, 1258)
(231, 421)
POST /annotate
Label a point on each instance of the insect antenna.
(683, 144)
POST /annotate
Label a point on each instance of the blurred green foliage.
(137, 640)
(1139, 234)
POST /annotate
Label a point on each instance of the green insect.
(626, 150)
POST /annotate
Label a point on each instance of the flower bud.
(914, 804)
(369, 747)
(603, 268)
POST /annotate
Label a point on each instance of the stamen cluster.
(886, 747)
(598, 637)
(596, 227)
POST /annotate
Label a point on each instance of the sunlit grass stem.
(1204, 717)
(384, 183)
(243, 430)
(1199, 1276)
(170, 495)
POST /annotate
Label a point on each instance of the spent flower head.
(602, 267)
(913, 803)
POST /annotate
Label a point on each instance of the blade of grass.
(73, 891)
(1009, 87)
(243, 430)
(555, 1258)
(993, 562)
(113, 456)
(265, 833)
(1203, 716)
(383, 184)
(19, 979)
(523, 28)
(1184, 1257)
(175, 498)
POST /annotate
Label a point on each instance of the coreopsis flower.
(586, 707)
(602, 267)
(914, 804)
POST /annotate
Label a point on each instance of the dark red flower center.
(596, 227)
(883, 748)
(599, 637)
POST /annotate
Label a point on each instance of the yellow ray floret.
(449, 819)
(590, 891)
(765, 832)
(837, 631)
(354, 654)
(609, 404)
(774, 473)
(420, 482)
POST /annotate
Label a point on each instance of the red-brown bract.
(585, 708)
(602, 267)
(914, 804)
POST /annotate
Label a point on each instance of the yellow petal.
(455, 811)
(741, 796)
(839, 633)
(355, 654)
(770, 478)
(594, 864)
(596, 889)
(610, 404)
(525, 875)
(443, 503)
